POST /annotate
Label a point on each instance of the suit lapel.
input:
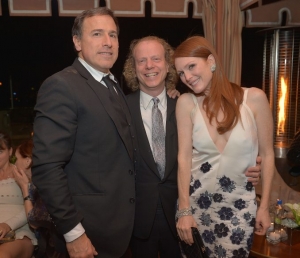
(102, 93)
(171, 136)
(144, 146)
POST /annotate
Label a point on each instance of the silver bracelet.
(183, 212)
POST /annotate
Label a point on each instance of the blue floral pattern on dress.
(226, 184)
(204, 201)
(249, 242)
(235, 221)
(252, 222)
(247, 216)
(221, 230)
(249, 186)
(240, 204)
(208, 236)
(237, 236)
(205, 219)
(220, 251)
(240, 253)
(218, 197)
(225, 213)
(194, 186)
(205, 167)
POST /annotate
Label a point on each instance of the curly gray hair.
(129, 67)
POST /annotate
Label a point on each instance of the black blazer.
(83, 159)
(149, 186)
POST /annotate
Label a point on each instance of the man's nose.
(149, 64)
(107, 40)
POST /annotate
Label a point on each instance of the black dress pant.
(160, 242)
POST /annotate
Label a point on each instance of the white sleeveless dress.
(12, 211)
(222, 200)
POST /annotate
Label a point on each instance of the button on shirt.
(146, 104)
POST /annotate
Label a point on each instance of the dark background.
(33, 48)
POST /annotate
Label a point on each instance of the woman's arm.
(184, 125)
(259, 105)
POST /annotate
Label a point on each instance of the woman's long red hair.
(223, 95)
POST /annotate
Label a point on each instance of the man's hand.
(253, 173)
(81, 247)
(173, 93)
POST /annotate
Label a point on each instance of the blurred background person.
(12, 212)
(38, 216)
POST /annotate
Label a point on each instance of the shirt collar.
(95, 73)
(146, 99)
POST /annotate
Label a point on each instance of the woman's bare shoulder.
(256, 95)
(185, 98)
(257, 100)
(185, 102)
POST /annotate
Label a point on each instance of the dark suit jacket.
(149, 186)
(83, 159)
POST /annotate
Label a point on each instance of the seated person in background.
(38, 216)
(12, 213)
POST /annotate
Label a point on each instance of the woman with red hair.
(221, 128)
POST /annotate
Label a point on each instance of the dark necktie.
(121, 115)
(158, 138)
(115, 96)
(112, 88)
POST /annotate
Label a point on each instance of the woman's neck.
(6, 171)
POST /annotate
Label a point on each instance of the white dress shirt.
(95, 73)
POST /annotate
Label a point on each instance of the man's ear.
(77, 43)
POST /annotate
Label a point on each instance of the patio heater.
(281, 74)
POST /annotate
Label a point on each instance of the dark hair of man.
(78, 22)
(129, 67)
(5, 141)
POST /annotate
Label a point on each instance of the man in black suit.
(83, 158)
(149, 72)
(149, 69)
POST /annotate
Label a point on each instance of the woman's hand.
(4, 228)
(184, 231)
(262, 222)
(22, 179)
